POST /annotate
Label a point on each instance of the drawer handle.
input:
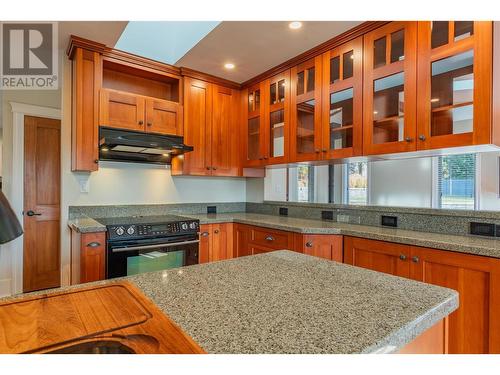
(269, 238)
(94, 244)
(402, 257)
(415, 259)
(204, 234)
(309, 244)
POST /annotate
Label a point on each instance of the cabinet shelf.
(451, 106)
(340, 128)
(381, 121)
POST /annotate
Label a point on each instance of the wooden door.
(163, 117)
(377, 255)
(224, 132)
(121, 110)
(320, 245)
(454, 83)
(241, 237)
(92, 257)
(277, 119)
(474, 327)
(42, 195)
(222, 242)
(197, 125)
(342, 117)
(254, 134)
(305, 112)
(389, 94)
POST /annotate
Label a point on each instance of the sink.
(95, 347)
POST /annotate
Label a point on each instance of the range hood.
(138, 147)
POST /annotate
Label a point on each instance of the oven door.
(131, 257)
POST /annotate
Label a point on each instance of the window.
(356, 184)
(456, 182)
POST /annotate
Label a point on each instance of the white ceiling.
(256, 46)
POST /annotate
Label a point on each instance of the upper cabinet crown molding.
(195, 74)
(79, 42)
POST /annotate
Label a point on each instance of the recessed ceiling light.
(295, 25)
(229, 65)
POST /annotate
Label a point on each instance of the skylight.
(165, 41)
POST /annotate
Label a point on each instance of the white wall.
(489, 194)
(275, 184)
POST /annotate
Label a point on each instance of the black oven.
(131, 257)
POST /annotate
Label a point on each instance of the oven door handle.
(156, 246)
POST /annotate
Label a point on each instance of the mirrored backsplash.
(458, 182)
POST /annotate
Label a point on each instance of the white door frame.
(16, 188)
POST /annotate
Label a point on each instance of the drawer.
(271, 238)
(256, 249)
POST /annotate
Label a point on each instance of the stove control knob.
(192, 225)
(120, 231)
(131, 230)
(184, 226)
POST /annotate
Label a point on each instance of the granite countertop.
(286, 302)
(464, 244)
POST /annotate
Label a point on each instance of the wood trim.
(318, 50)
(432, 341)
(79, 42)
(191, 73)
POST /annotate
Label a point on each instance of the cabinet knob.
(96, 161)
(421, 137)
(408, 139)
(94, 244)
(309, 244)
(324, 150)
(208, 168)
(216, 231)
(261, 158)
(141, 122)
(150, 124)
(269, 238)
(317, 151)
(204, 234)
(415, 259)
(265, 158)
(402, 256)
(214, 168)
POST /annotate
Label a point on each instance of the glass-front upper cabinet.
(255, 134)
(389, 98)
(277, 118)
(342, 118)
(454, 82)
(305, 111)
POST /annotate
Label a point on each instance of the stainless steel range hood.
(139, 147)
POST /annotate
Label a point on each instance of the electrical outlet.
(283, 211)
(389, 221)
(211, 209)
(327, 215)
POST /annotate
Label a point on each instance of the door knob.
(32, 213)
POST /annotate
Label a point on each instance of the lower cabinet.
(319, 245)
(216, 242)
(88, 257)
(473, 327)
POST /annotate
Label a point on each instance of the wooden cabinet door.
(224, 149)
(205, 243)
(87, 81)
(197, 125)
(277, 119)
(121, 110)
(454, 83)
(342, 105)
(92, 257)
(254, 128)
(241, 240)
(320, 245)
(222, 242)
(474, 327)
(389, 94)
(377, 255)
(305, 112)
(163, 117)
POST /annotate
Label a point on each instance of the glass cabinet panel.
(452, 89)
(347, 64)
(379, 52)
(305, 127)
(281, 91)
(398, 46)
(254, 101)
(272, 93)
(254, 138)
(310, 79)
(334, 69)
(341, 119)
(300, 83)
(388, 109)
(277, 120)
(439, 33)
(463, 29)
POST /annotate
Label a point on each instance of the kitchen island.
(281, 302)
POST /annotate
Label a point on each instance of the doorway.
(42, 197)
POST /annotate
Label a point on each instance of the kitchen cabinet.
(241, 233)
(271, 238)
(87, 81)
(211, 122)
(305, 113)
(454, 83)
(88, 257)
(390, 89)
(473, 327)
(320, 245)
(342, 102)
(254, 134)
(216, 242)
